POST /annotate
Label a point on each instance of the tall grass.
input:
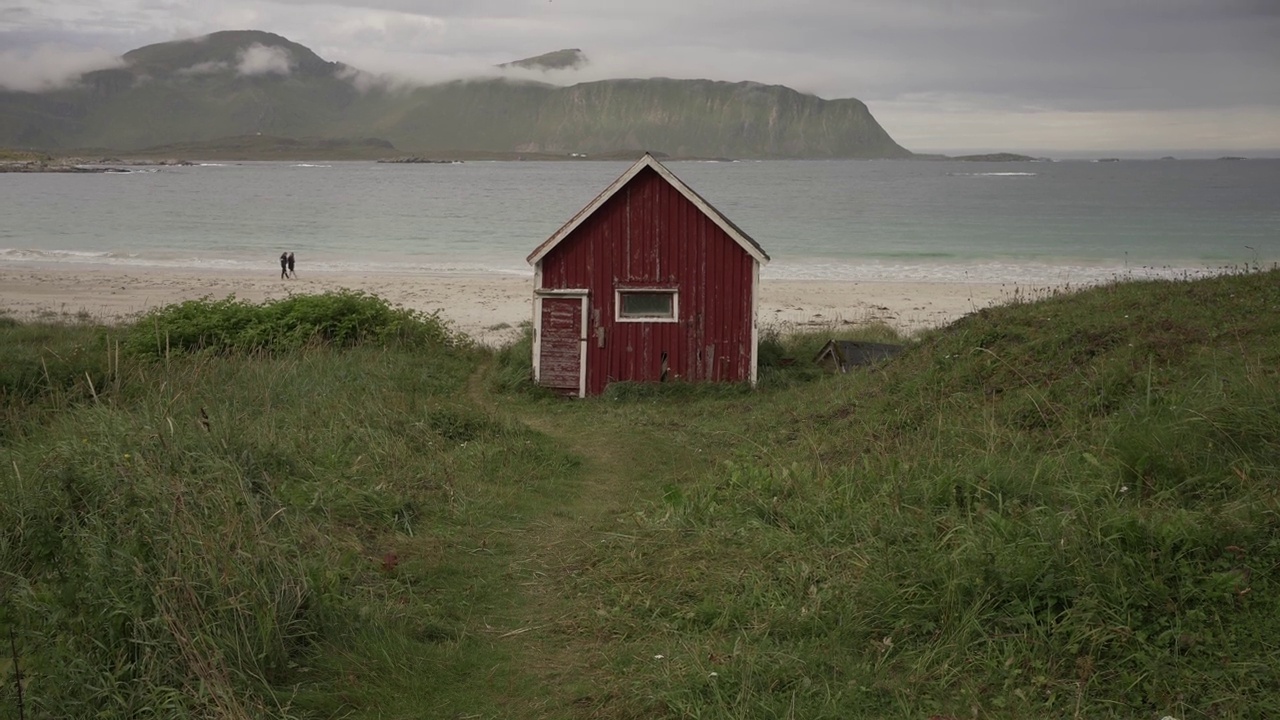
(196, 535)
(1060, 508)
(1132, 571)
(142, 578)
(53, 360)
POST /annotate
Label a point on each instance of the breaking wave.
(994, 174)
(976, 272)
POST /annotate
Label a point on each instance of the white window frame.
(675, 305)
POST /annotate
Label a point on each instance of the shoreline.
(488, 307)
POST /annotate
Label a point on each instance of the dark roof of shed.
(857, 352)
(648, 161)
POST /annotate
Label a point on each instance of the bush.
(344, 318)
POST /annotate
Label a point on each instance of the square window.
(647, 305)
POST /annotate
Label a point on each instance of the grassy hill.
(246, 83)
(1065, 507)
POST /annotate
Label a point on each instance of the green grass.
(228, 534)
(1060, 508)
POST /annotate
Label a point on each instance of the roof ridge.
(647, 160)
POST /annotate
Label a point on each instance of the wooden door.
(562, 344)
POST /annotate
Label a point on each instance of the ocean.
(1061, 222)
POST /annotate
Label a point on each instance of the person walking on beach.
(292, 272)
(284, 265)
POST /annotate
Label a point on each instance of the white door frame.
(569, 294)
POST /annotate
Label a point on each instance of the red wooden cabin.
(648, 282)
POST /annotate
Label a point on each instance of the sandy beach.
(487, 307)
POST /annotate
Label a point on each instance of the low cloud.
(364, 81)
(49, 67)
(389, 69)
(205, 68)
(378, 68)
(259, 59)
(960, 124)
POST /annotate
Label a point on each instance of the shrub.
(341, 318)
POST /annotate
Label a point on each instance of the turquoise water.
(857, 220)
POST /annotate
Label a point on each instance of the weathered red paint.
(648, 234)
(560, 359)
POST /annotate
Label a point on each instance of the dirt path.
(553, 635)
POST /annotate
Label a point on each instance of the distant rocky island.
(982, 157)
(282, 149)
(246, 84)
(23, 161)
(271, 147)
(996, 157)
(417, 161)
(52, 167)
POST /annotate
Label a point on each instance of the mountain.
(570, 59)
(229, 51)
(244, 83)
(680, 117)
(228, 83)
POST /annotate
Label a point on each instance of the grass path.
(551, 635)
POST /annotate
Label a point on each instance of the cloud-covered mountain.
(570, 59)
(247, 82)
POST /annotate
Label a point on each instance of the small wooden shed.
(646, 283)
(840, 355)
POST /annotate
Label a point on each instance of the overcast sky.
(1057, 76)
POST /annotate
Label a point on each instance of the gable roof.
(744, 240)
